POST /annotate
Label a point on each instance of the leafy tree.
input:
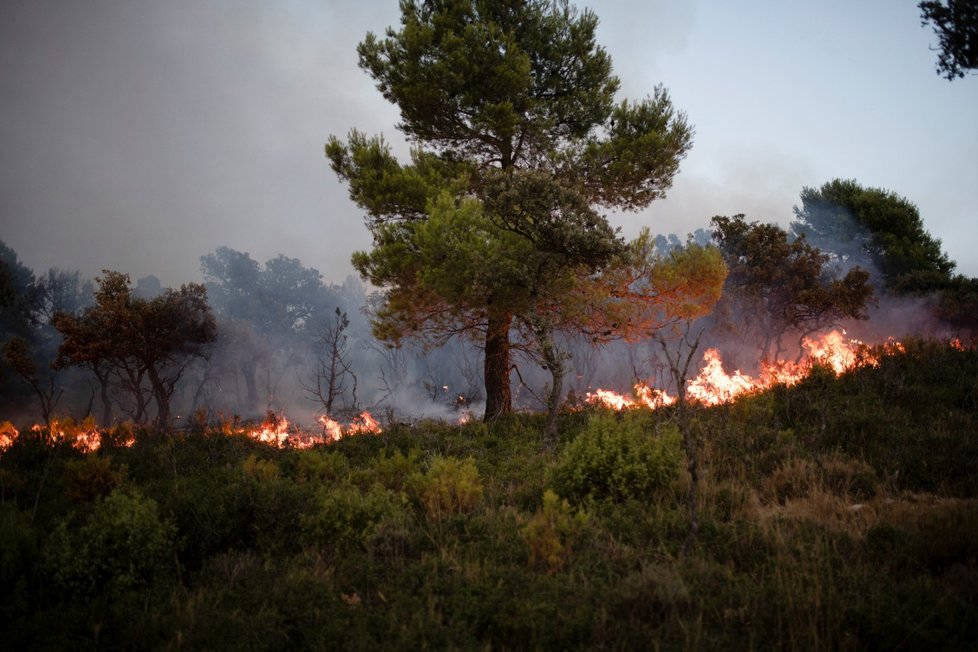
(145, 345)
(268, 309)
(499, 98)
(955, 23)
(783, 284)
(875, 229)
(60, 290)
(17, 353)
(18, 298)
(148, 287)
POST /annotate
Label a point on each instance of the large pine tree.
(499, 97)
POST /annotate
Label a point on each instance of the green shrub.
(551, 532)
(345, 517)
(450, 486)
(124, 544)
(617, 460)
(389, 471)
(316, 465)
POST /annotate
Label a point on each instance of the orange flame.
(8, 435)
(714, 386)
(364, 424)
(332, 430)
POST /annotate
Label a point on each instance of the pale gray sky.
(139, 135)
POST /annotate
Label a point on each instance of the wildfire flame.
(277, 431)
(714, 386)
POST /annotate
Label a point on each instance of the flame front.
(714, 386)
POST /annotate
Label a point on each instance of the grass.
(838, 514)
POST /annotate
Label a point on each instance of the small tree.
(784, 285)
(140, 342)
(17, 353)
(333, 368)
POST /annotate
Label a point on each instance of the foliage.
(551, 531)
(345, 516)
(144, 344)
(124, 544)
(617, 460)
(448, 486)
(955, 24)
(91, 477)
(839, 513)
(874, 228)
(277, 297)
(646, 290)
(785, 285)
(517, 135)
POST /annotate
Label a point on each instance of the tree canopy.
(874, 228)
(778, 285)
(145, 344)
(955, 24)
(517, 137)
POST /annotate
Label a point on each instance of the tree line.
(489, 239)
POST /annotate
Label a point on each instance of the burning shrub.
(122, 545)
(550, 533)
(450, 486)
(617, 459)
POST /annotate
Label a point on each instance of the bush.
(617, 460)
(450, 486)
(122, 545)
(91, 477)
(345, 517)
(550, 533)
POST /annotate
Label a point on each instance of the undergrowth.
(838, 514)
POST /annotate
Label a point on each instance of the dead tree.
(333, 373)
(679, 358)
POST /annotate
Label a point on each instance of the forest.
(517, 428)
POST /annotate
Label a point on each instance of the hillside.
(838, 513)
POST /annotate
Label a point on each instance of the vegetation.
(517, 137)
(128, 341)
(837, 514)
(872, 228)
(785, 285)
(955, 24)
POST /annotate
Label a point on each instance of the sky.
(140, 135)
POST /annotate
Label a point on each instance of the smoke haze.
(140, 135)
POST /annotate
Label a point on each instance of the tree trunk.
(103, 381)
(499, 398)
(249, 368)
(162, 399)
(553, 361)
